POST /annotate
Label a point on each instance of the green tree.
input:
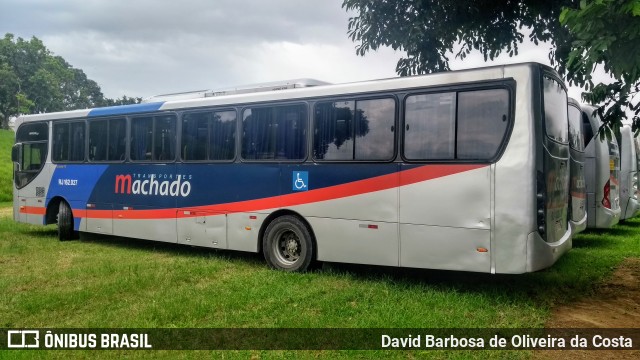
(33, 80)
(607, 34)
(429, 30)
(9, 89)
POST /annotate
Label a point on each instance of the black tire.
(288, 245)
(65, 222)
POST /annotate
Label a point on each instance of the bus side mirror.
(15, 154)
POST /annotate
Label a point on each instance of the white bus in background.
(578, 189)
(464, 170)
(628, 173)
(602, 173)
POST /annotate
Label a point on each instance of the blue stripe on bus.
(125, 109)
(214, 184)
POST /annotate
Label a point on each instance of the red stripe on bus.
(378, 183)
(33, 210)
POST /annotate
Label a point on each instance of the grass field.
(110, 282)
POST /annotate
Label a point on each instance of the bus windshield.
(576, 137)
(555, 110)
(31, 152)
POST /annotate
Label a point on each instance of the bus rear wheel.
(65, 222)
(287, 244)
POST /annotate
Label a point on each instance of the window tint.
(482, 123)
(333, 130)
(430, 126)
(98, 135)
(375, 120)
(153, 138)
(60, 142)
(354, 130)
(107, 140)
(141, 138)
(576, 137)
(117, 139)
(467, 125)
(588, 130)
(208, 136)
(274, 133)
(164, 142)
(68, 141)
(555, 110)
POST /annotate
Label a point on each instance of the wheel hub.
(290, 247)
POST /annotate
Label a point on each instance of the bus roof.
(297, 93)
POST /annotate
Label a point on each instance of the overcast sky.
(145, 47)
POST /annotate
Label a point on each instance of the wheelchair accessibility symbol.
(300, 181)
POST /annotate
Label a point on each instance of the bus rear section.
(553, 235)
(531, 226)
(578, 190)
(628, 174)
(602, 173)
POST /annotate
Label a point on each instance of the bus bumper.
(541, 254)
(631, 210)
(580, 225)
(607, 217)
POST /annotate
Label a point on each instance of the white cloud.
(144, 47)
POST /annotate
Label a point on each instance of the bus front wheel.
(65, 222)
(287, 244)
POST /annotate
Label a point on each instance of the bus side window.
(117, 139)
(222, 140)
(482, 123)
(429, 129)
(164, 138)
(195, 132)
(68, 141)
(98, 134)
(60, 142)
(355, 130)
(141, 138)
(274, 133)
(333, 130)
(375, 124)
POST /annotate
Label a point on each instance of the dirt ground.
(616, 304)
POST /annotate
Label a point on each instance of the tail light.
(634, 187)
(540, 203)
(606, 202)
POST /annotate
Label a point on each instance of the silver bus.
(629, 205)
(578, 189)
(602, 173)
(465, 170)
